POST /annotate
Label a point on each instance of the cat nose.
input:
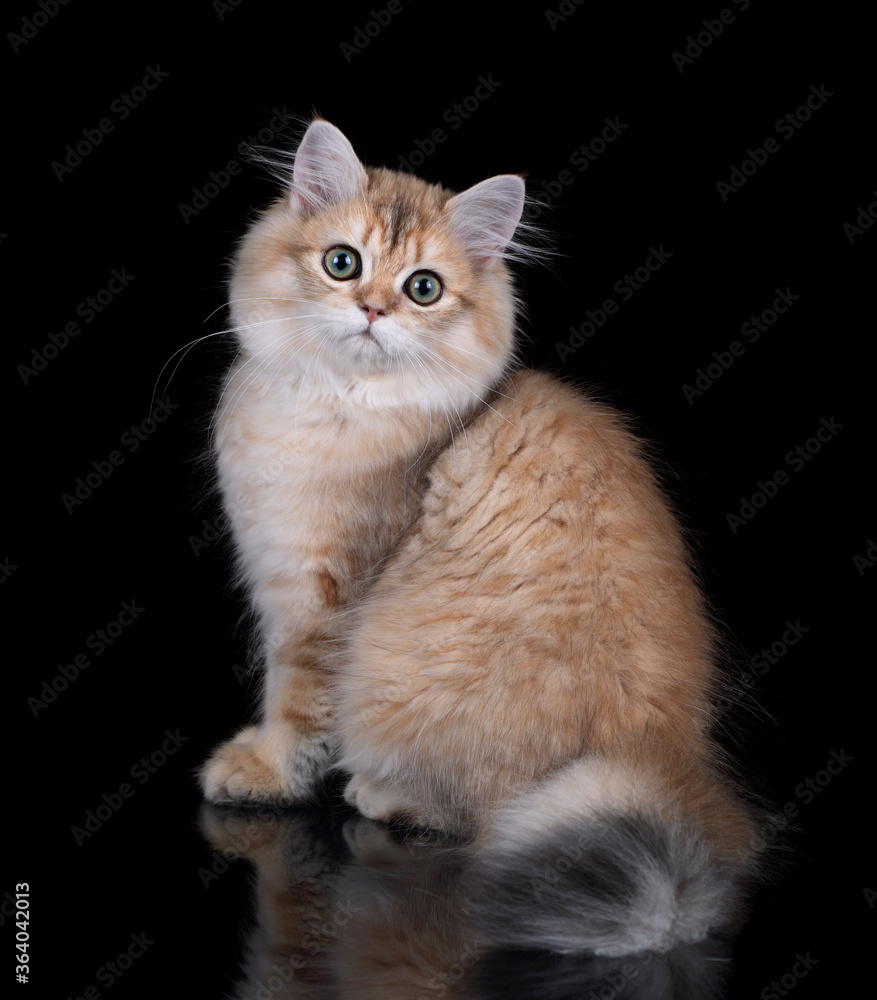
(372, 312)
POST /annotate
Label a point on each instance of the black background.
(555, 80)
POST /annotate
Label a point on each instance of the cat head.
(373, 282)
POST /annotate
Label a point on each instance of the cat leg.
(281, 760)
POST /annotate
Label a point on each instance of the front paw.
(260, 766)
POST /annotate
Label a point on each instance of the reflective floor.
(343, 907)
(168, 896)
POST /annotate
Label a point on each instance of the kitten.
(471, 592)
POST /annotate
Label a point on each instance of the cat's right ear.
(484, 217)
(326, 169)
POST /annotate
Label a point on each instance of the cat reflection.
(346, 908)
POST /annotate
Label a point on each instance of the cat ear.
(484, 218)
(326, 169)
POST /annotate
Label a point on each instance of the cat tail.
(608, 859)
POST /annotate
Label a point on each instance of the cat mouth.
(367, 335)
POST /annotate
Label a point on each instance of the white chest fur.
(312, 485)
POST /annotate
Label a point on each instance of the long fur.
(472, 593)
(614, 859)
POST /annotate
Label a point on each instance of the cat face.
(370, 281)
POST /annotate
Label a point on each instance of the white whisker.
(260, 364)
(263, 362)
(185, 349)
(474, 354)
(442, 363)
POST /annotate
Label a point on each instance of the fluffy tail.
(605, 859)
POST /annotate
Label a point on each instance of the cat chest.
(302, 493)
(282, 480)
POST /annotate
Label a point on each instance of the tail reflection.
(346, 909)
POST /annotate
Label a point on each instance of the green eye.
(342, 263)
(424, 288)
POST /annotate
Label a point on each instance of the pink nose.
(372, 312)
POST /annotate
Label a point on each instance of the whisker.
(217, 333)
(263, 362)
(474, 354)
(419, 362)
(441, 362)
(321, 331)
(260, 364)
(185, 349)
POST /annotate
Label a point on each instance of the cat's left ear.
(326, 169)
(484, 218)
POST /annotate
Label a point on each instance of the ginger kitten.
(471, 593)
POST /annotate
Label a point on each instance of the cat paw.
(373, 801)
(260, 767)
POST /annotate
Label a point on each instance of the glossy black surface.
(124, 655)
